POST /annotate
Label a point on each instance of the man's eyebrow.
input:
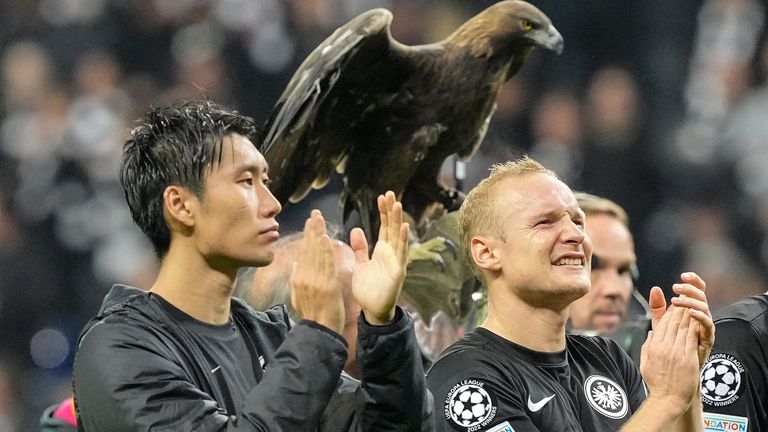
(253, 168)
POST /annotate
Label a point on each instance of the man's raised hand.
(315, 291)
(378, 280)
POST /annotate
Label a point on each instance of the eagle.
(386, 115)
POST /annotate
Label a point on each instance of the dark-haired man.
(522, 230)
(187, 355)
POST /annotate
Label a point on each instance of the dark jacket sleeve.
(392, 395)
(127, 379)
(394, 389)
(298, 382)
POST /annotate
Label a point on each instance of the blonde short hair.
(593, 204)
(479, 213)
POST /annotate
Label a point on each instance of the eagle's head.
(507, 26)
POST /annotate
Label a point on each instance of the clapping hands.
(376, 282)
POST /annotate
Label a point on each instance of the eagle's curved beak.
(552, 39)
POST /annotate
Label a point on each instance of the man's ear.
(483, 253)
(178, 205)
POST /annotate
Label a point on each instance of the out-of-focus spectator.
(730, 273)
(718, 78)
(27, 284)
(615, 142)
(200, 67)
(557, 134)
(27, 76)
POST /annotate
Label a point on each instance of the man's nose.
(270, 205)
(573, 233)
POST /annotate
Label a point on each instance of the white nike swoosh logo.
(535, 407)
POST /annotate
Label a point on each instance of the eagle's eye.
(526, 25)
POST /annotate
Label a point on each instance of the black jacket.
(137, 370)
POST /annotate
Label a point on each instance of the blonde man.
(523, 232)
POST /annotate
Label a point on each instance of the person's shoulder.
(752, 309)
(476, 364)
(122, 328)
(473, 351)
(121, 296)
(121, 304)
(120, 347)
(473, 341)
(127, 315)
(123, 307)
(742, 328)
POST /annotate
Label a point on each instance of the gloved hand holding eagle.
(385, 116)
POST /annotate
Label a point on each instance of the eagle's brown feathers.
(390, 113)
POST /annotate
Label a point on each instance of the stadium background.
(659, 105)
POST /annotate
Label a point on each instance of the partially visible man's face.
(605, 306)
(545, 254)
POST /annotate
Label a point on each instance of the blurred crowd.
(660, 106)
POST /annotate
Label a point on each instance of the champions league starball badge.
(469, 405)
(721, 380)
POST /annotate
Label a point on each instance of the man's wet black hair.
(177, 144)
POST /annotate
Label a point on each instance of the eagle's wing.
(298, 149)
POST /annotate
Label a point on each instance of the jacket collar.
(119, 295)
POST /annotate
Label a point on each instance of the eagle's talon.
(431, 250)
(450, 246)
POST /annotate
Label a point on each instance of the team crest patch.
(606, 397)
(470, 406)
(724, 423)
(721, 379)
